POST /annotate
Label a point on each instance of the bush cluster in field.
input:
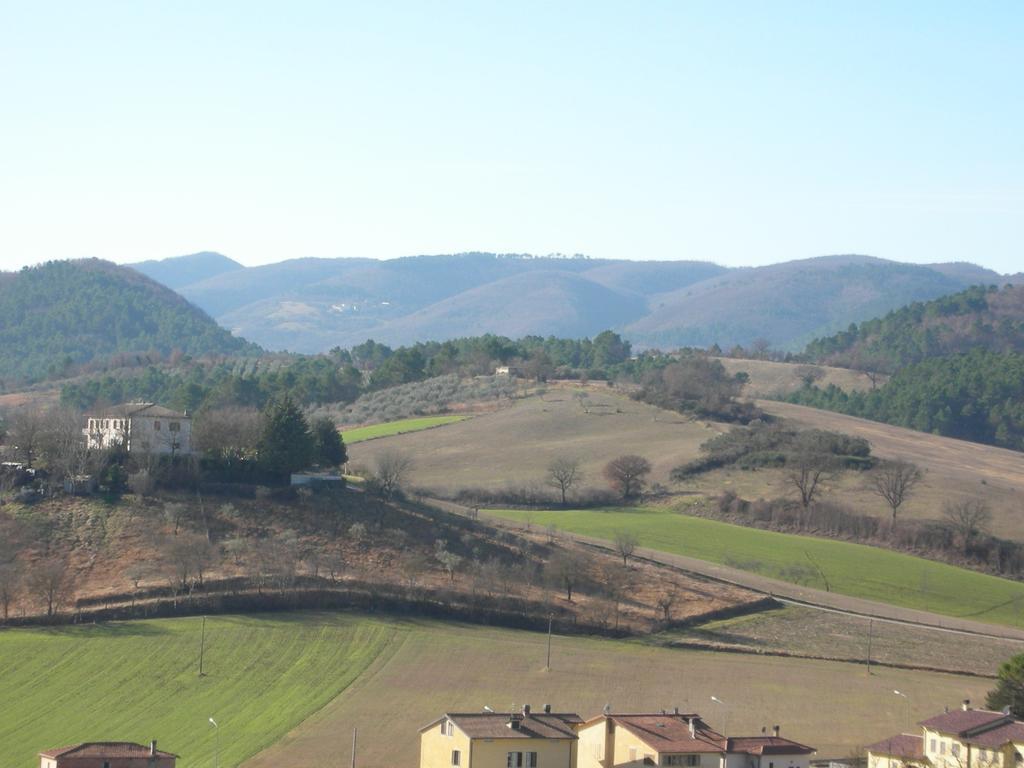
(421, 398)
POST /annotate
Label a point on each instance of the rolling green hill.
(62, 314)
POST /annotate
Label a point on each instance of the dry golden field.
(770, 379)
(438, 668)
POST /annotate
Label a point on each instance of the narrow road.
(784, 591)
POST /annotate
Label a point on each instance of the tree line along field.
(138, 680)
(851, 569)
(451, 667)
(400, 427)
(514, 446)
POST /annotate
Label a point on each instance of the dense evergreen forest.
(62, 315)
(975, 396)
(980, 317)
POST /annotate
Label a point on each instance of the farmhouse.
(674, 739)
(493, 740)
(548, 740)
(963, 738)
(141, 428)
(107, 754)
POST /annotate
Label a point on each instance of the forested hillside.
(60, 315)
(957, 365)
(977, 318)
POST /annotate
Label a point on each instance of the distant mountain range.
(311, 305)
(60, 315)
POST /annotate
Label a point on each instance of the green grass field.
(288, 689)
(137, 681)
(359, 434)
(851, 569)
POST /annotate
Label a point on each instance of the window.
(955, 749)
(942, 747)
(521, 760)
(156, 426)
(692, 760)
(933, 745)
(456, 757)
(174, 426)
(687, 760)
(447, 728)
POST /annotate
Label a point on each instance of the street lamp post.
(907, 699)
(725, 711)
(217, 752)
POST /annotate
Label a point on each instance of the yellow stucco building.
(524, 739)
(963, 738)
(558, 740)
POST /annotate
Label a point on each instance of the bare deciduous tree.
(807, 471)
(894, 481)
(25, 433)
(10, 586)
(625, 545)
(665, 600)
(809, 374)
(563, 474)
(51, 582)
(968, 517)
(564, 569)
(626, 474)
(391, 470)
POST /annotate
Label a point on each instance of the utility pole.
(355, 731)
(871, 627)
(548, 665)
(202, 647)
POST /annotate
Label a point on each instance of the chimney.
(515, 721)
(675, 710)
(764, 730)
(966, 705)
(547, 709)
(693, 729)
(526, 710)
(775, 731)
(152, 748)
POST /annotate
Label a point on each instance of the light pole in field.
(725, 711)
(907, 699)
(217, 752)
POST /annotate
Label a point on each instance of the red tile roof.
(671, 733)
(104, 749)
(768, 745)
(903, 746)
(962, 720)
(495, 725)
(992, 738)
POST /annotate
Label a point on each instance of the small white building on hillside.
(141, 428)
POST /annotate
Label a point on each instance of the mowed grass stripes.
(137, 681)
(359, 434)
(851, 569)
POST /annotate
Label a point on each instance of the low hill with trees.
(978, 318)
(63, 315)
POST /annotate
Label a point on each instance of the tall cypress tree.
(286, 444)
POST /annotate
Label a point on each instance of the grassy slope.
(454, 667)
(851, 569)
(359, 434)
(769, 379)
(515, 445)
(137, 681)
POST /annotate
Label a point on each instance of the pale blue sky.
(743, 133)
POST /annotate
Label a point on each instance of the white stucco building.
(141, 428)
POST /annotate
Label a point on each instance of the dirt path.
(786, 592)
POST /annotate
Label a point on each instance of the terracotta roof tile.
(768, 745)
(960, 720)
(536, 725)
(904, 745)
(104, 749)
(997, 736)
(671, 733)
